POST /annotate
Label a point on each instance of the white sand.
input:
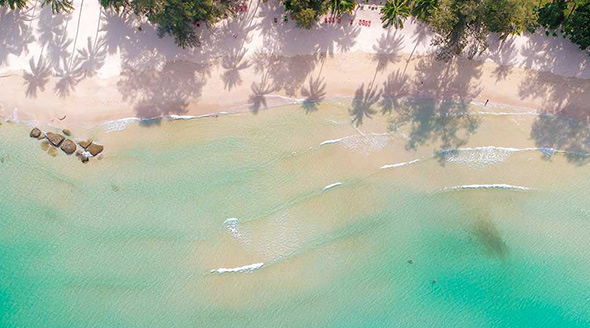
(98, 66)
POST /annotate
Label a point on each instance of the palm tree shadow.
(15, 32)
(315, 93)
(259, 92)
(233, 63)
(503, 53)
(53, 36)
(387, 50)
(58, 49)
(362, 103)
(394, 88)
(554, 132)
(431, 121)
(69, 77)
(92, 57)
(347, 39)
(163, 91)
(37, 78)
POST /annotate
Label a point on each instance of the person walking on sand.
(487, 101)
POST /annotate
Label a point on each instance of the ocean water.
(288, 218)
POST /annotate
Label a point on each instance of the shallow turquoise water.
(131, 240)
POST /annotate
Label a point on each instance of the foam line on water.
(332, 186)
(391, 166)
(545, 150)
(122, 123)
(332, 141)
(488, 186)
(243, 269)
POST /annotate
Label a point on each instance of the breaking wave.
(243, 269)
(331, 186)
(488, 186)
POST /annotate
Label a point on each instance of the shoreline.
(467, 89)
(267, 65)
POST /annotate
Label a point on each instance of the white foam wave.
(488, 186)
(391, 166)
(331, 186)
(365, 143)
(118, 125)
(332, 141)
(243, 269)
(174, 117)
(526, 113)
(232, 226)
(486, 155)
(293, 100)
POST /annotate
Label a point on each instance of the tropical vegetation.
(461, 26)
(394, 13)
(58, 6)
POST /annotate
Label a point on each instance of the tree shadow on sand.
(69, 75)
(160, 92)
(235, 34)
(15, 32)
(387, 50)
(259, 93)
(363, 102)
(503, 53)
(93, 56)
(314, 94)
(37, 78)
(233, 62)
(564, 124)
(53, 36)
(446, 123)
(395, 87)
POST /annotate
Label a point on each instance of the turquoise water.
(137, 238)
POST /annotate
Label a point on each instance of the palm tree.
(14, 4)
(423, 9)
(58, 5)
(339, 7)
(394, 13)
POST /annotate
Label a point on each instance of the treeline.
(461, 26)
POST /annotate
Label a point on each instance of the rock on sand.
(85, 144)
(54, 138)
(35, 133)
(94, 149)
(68, 146)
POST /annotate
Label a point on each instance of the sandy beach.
(91, 66)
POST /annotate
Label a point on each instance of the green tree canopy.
(58, 6)
(424, 9)
(306, 12)
(339, 7)
(552, 14)
(460, 26)
(14, 4)
(577, 27)
(394, 13)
